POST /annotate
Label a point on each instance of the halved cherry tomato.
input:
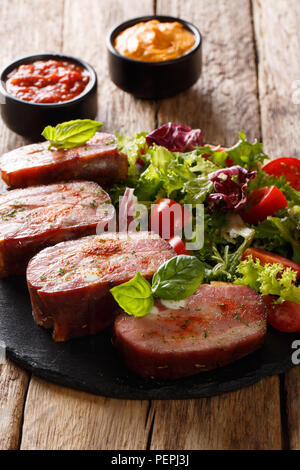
(284, 317)
(287, 166)
(268, 257)
(263, 202)
(178, 245)
(168, 217)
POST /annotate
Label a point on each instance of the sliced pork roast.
(98, 160)
(219, 324)
(69, 283)
(34, 218)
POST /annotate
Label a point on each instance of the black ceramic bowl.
(29, 119)
(154, 80)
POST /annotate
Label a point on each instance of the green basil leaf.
(178, 278)
(134, 296)
(71, 134)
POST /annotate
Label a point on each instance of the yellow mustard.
(154, 41)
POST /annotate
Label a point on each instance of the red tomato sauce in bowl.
(47, 81)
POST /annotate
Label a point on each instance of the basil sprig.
(176, 279)
(134, 296)
(71, 134)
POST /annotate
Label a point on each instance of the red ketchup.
(47, 81)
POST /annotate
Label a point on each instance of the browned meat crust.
(98, 160)
(69, 283)
(34, 218)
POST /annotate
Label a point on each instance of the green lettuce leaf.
(270, 279)
(134, 148)
(243, 153)
(281, 234)
(196, 190)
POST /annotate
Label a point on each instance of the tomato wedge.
(263, 202)
(286, 166)
(178, 245)
(168, 217)
(268, 257)
(284, 317)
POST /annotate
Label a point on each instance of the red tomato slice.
(287, 166)
(168, 217)
(284, 317)
(178, 245)
(268, 257)
(263, 202)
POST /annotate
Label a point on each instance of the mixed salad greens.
(251, 217)
(248, 202)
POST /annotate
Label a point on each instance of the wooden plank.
(57, 418)
(292, 401)
(61, 418)
(278, 43)
(22, 31)
(223, 102)
(23, 24)
(232, 421)
(86, 34)
(278, 39)
(13, 385)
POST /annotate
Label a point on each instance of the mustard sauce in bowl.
(155, 41)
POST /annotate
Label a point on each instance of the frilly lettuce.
(269, 279)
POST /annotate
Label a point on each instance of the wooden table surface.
(251, 71)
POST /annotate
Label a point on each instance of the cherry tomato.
(168, 217)
(268, 257)
(178, 245)
(284, 317)
(263, 202)
(287, 166)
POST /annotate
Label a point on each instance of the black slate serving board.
(91, 364)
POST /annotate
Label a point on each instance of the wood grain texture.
(223, 102)
(235, 421)
(60, 418)
(278, 43)
(13, 385)
(57, 418)
(292, 401)
(22, 26)
(86, 35)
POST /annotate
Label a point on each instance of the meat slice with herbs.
(98, 160)
(69, 283)
(34, 218)
(217, 325)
